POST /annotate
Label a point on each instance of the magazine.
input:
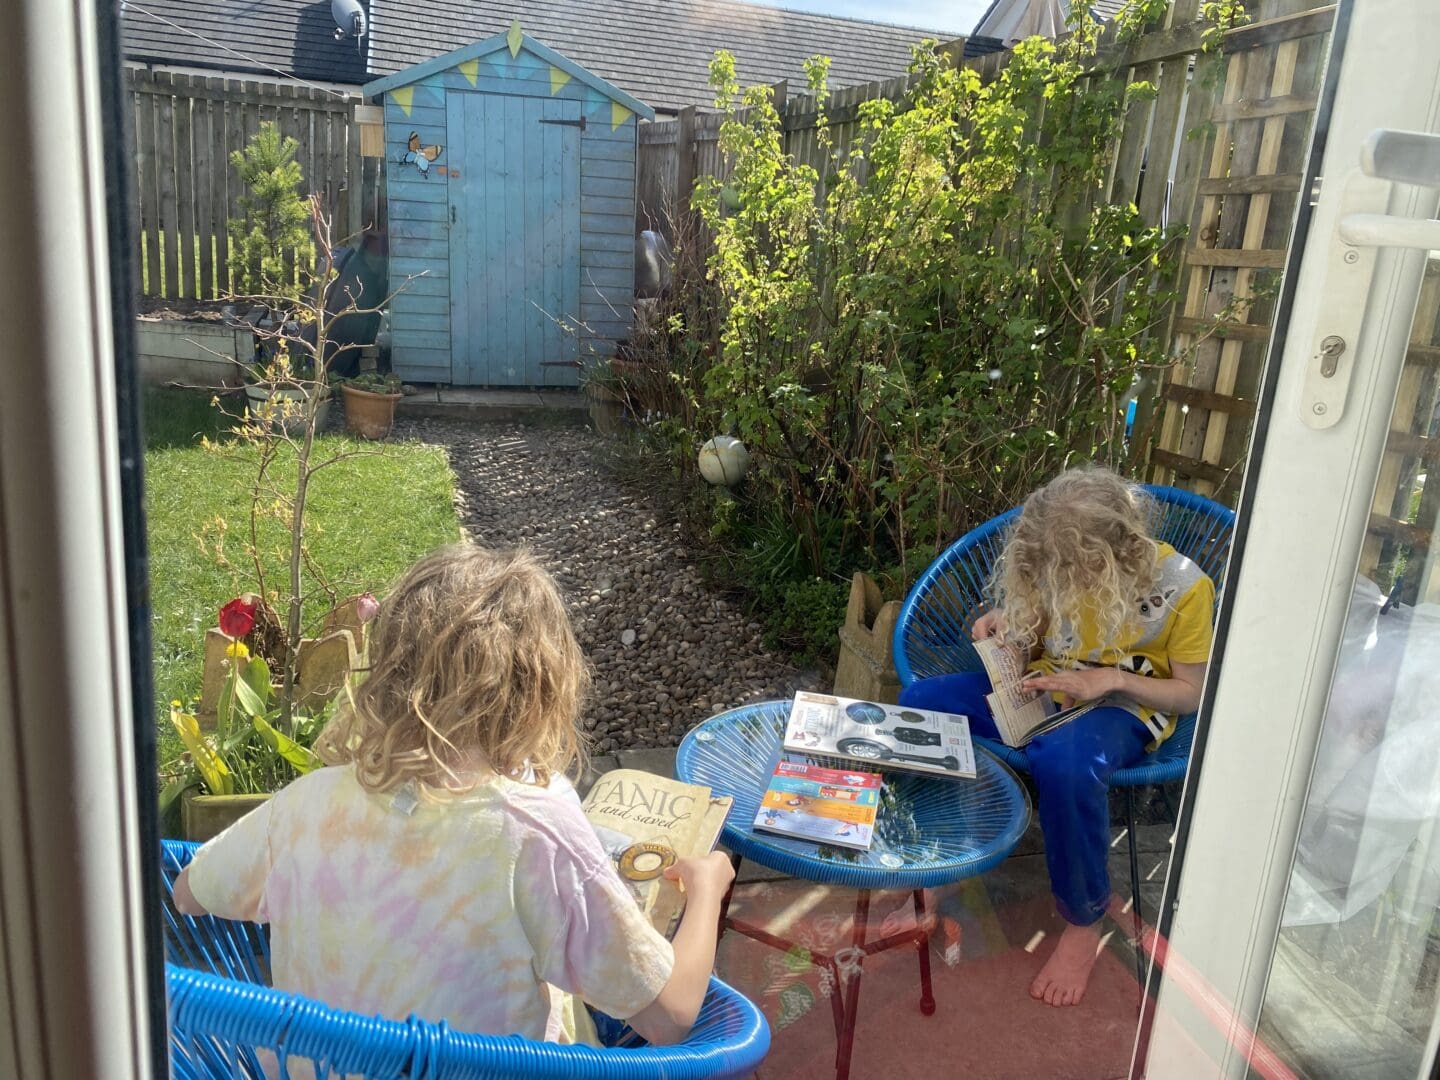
(646, 822)
(1020, 713)
(831, 806)
(881, 736)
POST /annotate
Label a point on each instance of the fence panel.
(186, 128)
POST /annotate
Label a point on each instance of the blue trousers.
(1071, 767)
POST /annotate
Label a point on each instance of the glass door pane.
(1352, 989)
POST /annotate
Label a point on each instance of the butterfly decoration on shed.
(420, 156)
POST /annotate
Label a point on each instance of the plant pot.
(369, 415)
(204, 816)
(257, 395)
(607, 408)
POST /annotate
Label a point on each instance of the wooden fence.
(1219, 146)
(185, 129)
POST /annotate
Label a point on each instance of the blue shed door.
(514, 239)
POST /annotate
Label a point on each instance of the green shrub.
(913, 340)
(275, 219)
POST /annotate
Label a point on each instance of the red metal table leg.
(922, 944)
(851, 985)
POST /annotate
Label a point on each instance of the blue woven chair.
(932, 634)
(221, 1011)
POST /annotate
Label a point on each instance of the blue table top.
(930, 831)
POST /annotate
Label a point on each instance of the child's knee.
(1062, 766)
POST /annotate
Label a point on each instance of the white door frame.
(73, 974)
(1303, 513)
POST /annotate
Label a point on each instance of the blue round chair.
(222, 1011)
(932, 632)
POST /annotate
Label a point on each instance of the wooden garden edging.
(186, 127)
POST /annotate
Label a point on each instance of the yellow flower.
(236, 650)
(175, 704)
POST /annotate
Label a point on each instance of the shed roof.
(513, 41)
(657, 50)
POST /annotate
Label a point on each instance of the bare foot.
(1063, 979)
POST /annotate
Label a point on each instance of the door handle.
(452, 214)
(1362, 228)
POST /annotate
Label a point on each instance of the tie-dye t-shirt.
(487, 910)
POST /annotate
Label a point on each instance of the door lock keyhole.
(1331, 348)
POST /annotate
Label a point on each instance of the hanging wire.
(129, 5)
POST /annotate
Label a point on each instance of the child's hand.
(703, 877)
(990, 624)
(1086, 684)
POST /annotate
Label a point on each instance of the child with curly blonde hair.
(1106, 612)
(441, 865)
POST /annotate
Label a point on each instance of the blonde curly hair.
(1080, 545)
(472, 656)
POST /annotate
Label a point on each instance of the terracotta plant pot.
(369, 415)
(204, 816)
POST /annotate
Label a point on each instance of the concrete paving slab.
(660, 761)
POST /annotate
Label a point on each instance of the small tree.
(276, 438)
(275, 219)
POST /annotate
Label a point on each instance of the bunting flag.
(558, 79)
(618, 114)
(471, 70)
(514, 37)
(404, 96)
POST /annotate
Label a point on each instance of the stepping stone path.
(667, 652)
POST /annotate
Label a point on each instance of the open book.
(1020, 713)
(646, 822)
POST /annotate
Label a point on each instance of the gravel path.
(667, 652)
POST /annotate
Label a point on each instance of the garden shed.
(510, 183)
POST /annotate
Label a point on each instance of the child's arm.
(184, 899)
(669, 1018)
(1178, 694)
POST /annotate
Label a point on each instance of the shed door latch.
(580, 123)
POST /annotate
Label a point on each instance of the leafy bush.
(913, 340)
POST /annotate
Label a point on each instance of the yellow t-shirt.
(1173, 624)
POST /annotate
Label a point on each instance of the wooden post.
(684, 167)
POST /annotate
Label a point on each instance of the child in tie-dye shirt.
(442, 866)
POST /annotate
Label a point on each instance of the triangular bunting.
(558, 79)
(471, 70)
(618, 114)
(514, 37)
(404, 96)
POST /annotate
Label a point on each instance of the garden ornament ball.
(723, 460)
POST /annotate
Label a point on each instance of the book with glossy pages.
(828, 806)
(885, 737)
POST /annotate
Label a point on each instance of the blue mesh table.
(929, 832)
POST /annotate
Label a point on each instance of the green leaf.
(213, 771)
(257, 677)
(301, 757)
(248, 700)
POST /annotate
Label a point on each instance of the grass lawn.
(369, 518)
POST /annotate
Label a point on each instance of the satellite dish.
(349, 18)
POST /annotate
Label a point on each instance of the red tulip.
(237, 618)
